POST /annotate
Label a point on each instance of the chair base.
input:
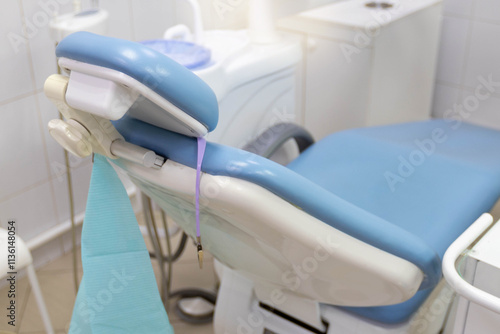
(238, 310)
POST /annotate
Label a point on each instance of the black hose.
(178, 252)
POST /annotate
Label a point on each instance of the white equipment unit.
(367, 63)
(255, 74)
(257, 85)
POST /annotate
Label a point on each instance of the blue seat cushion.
(342, 181)
(434, 190)
(151, 68)
(428, 178)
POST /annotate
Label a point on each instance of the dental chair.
(347, 238)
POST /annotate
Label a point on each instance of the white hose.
(182, 32)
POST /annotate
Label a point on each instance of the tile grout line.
(468, 38)
(457, 16)
(19, 97)
(462, 88)
(28, 46)
(25, 189)
(46, 272)
(447, 84)
(471, 17)
(37, 184)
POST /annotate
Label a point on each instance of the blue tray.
(188, 54)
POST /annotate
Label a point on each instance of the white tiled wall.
(469, 49)
(33, 184)
(232, 14)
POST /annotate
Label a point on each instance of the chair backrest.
(276, 244)
(266, 191)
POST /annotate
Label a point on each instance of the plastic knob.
(71, 135)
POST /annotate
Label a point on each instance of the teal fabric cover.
(118, 293)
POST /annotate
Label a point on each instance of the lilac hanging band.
(202, 143)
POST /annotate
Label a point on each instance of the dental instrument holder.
(83, 133)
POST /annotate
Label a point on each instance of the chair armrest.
(451, 275)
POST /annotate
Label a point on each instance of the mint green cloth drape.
(118, 292)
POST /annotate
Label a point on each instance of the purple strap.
(202, 143)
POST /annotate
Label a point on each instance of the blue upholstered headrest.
(154, 70)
